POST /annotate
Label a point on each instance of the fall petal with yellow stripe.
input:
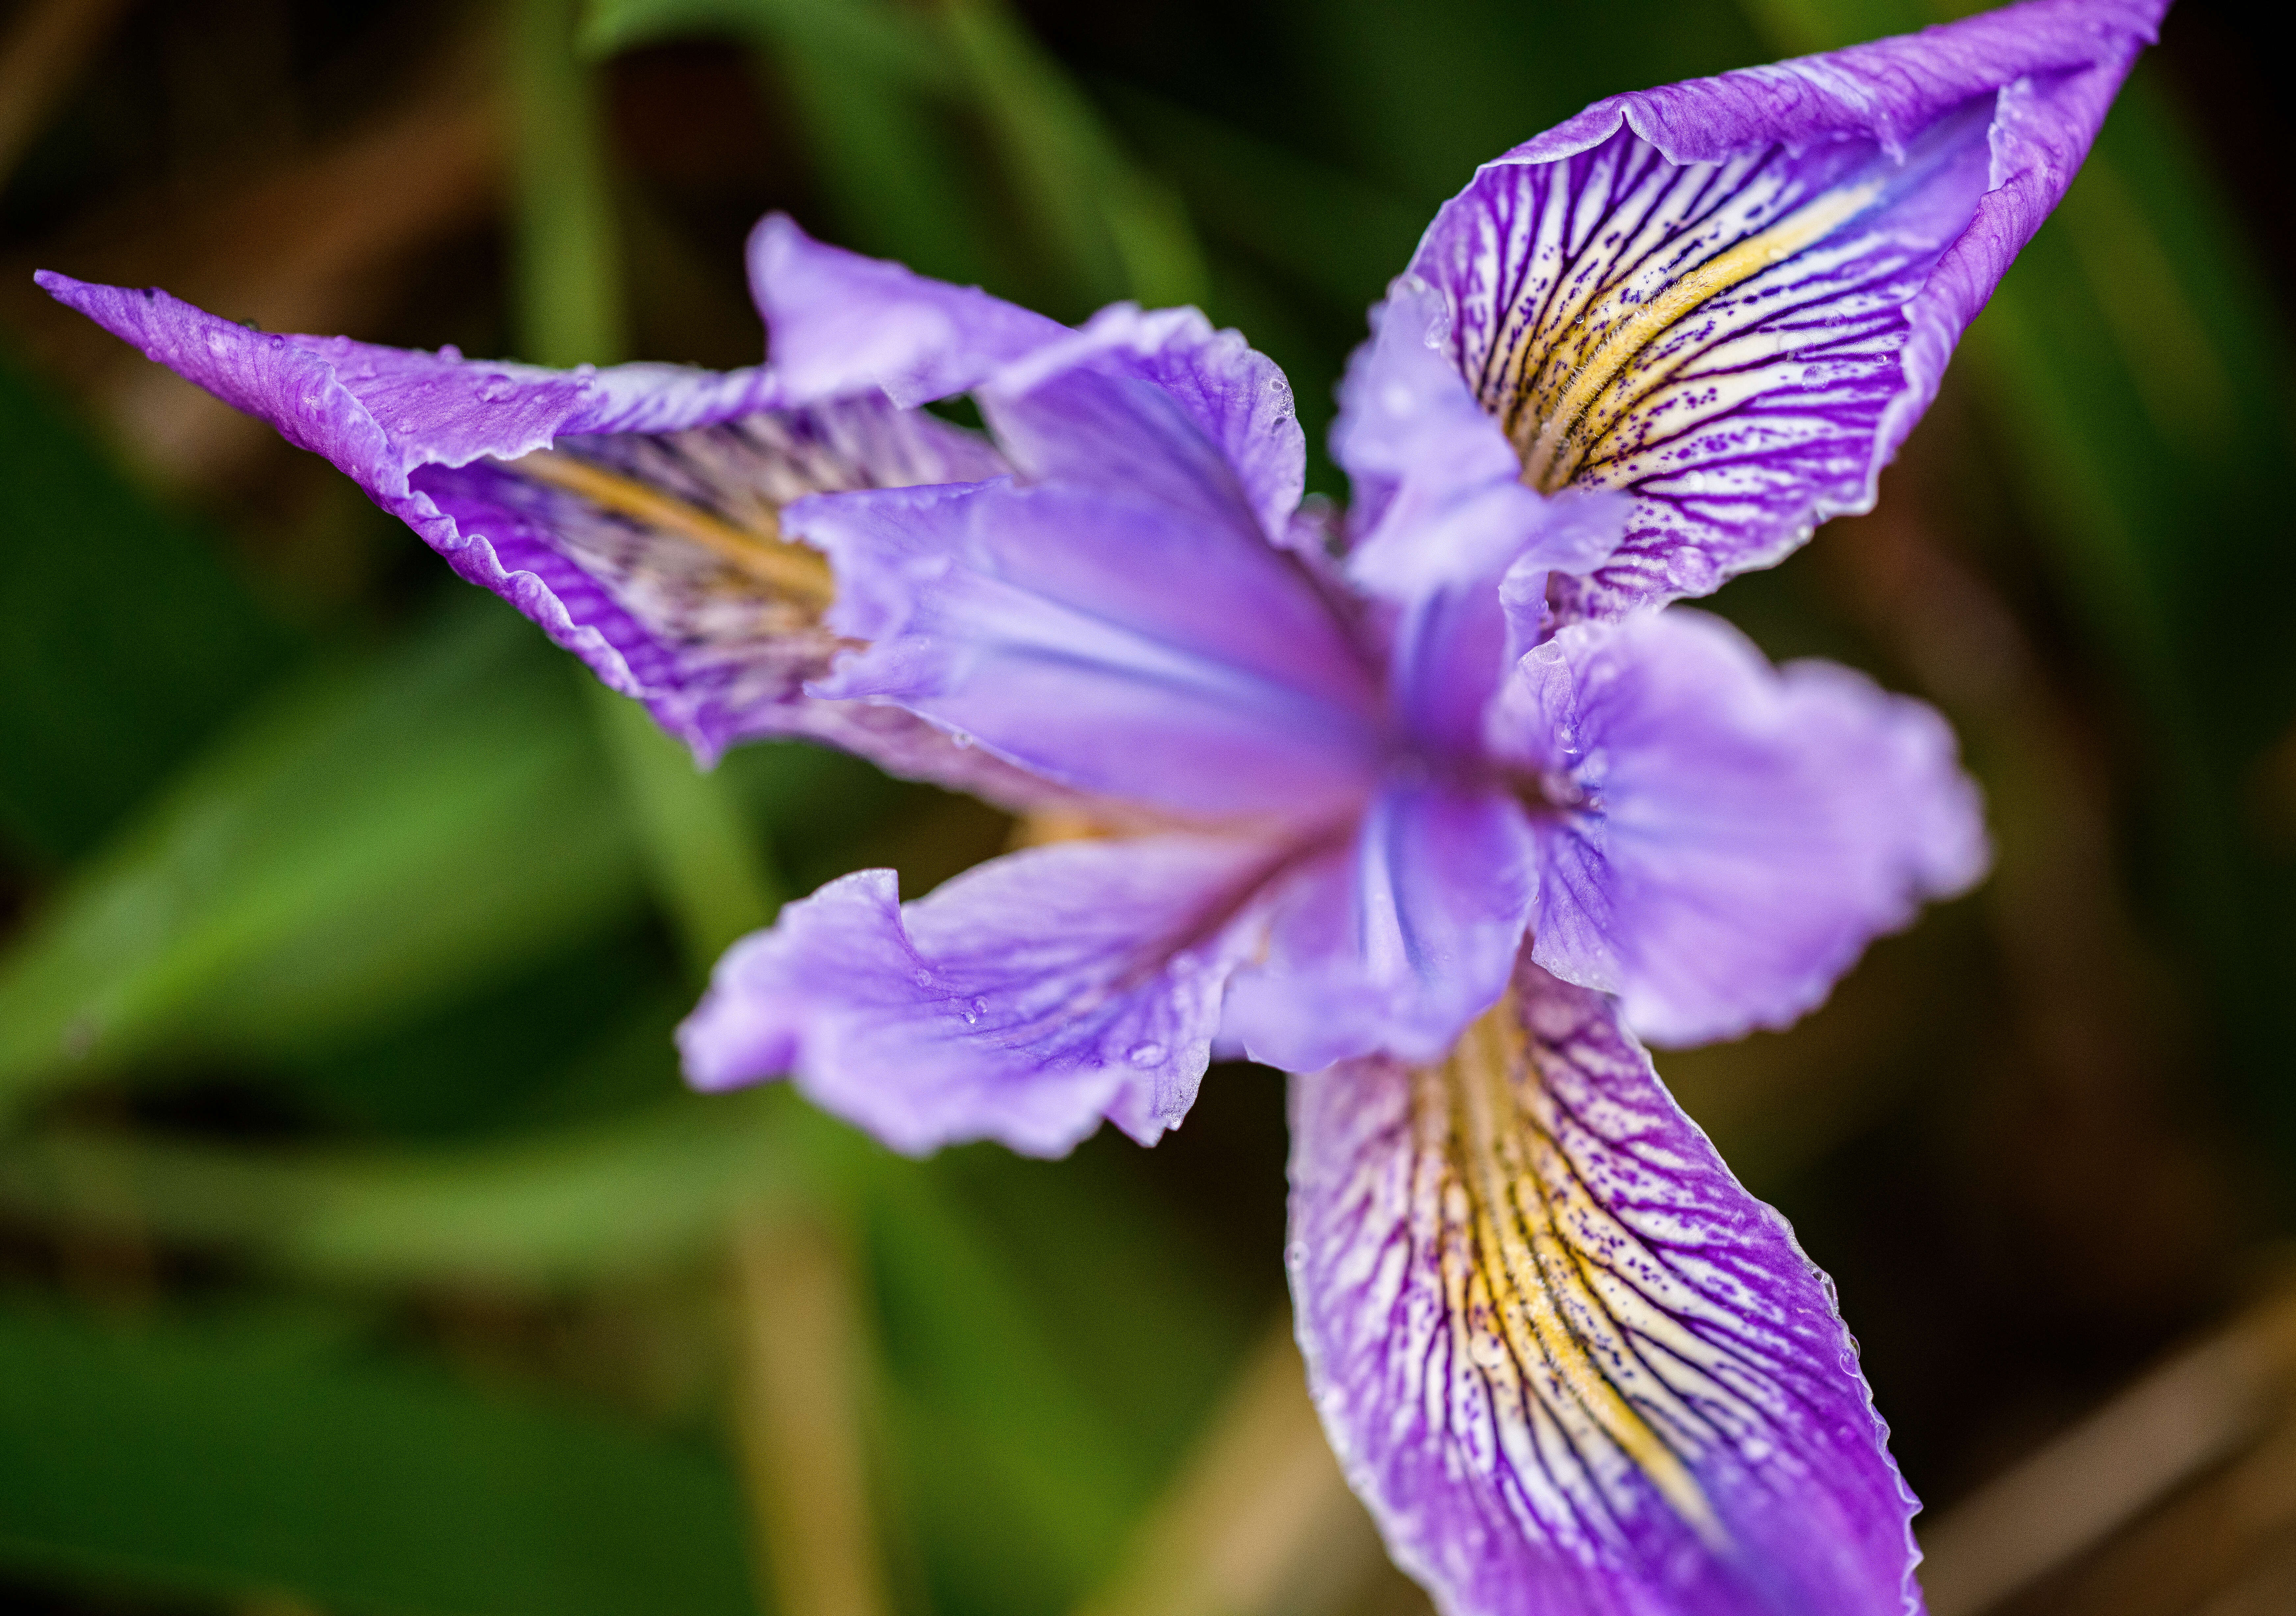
(1732, 298)
(1571, 1365)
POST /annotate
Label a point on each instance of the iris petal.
(1161, 405)
(1725, 839)
(1021, 1002)
(1394, 939)
(845, 326)
(677, 551)
(1732, 298)
(630, 512)
(1570, 1363)
(1115, 645)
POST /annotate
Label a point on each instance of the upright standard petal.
(1570, 1363)
(843, 326)
(1157, 404)
(1717, 842)
(1021, 1002)
(1438, 495)
(1395, 939)
(1443, 529)
(1732, 298)
(1111, 645)
(630, 512)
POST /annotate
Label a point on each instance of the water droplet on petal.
(924, 979)
(1145, 1054)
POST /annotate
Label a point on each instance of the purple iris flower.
(1432, 806)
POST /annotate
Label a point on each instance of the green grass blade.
(541, 1210)
(379, 839)
(240, 1457)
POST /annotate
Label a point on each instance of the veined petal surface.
(1570, 1363)
(1157, 404)
(1721, 841)
(629, 511)
(1732, 298)
(1115, 645)
(1393, 938)
(1022, 1001)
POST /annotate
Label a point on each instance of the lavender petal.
(841, 325)
(1567, 1361)
(1021, 1002)
(1156, 404)
(1724, 839)
(1392, 940)
(1114, 646)
(450, 446)
(1441, 517)
(1438, 490)
(1732, 298)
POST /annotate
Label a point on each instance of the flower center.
(1544, 793)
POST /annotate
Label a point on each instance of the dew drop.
(1145, 1054)
(924, 979)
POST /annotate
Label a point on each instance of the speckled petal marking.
(1570, 1363)
(1719, 339)
(682, 531)
(679, 533)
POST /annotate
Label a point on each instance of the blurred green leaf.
(568, 243)
(872, 85)
(1112, 230)
(1020, 1488)
(1135, 1308)
(1416, 100)
(876, 85)
(238, 1456)
(891, 42)
(382, 838)
(1336, 237)
(129, 640)
(542, 1209)
(576, 1035)
(710, 867)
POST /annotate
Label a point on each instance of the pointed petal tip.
(1888, 186)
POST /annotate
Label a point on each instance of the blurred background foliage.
(358, 1248)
